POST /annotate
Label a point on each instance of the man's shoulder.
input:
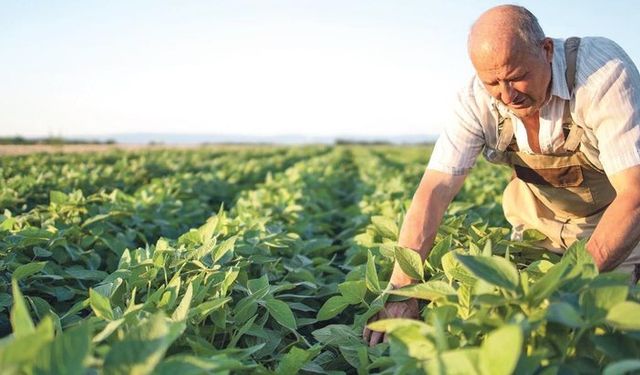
(597, 41)
(599, 50)
(473, 94)
(600, 60)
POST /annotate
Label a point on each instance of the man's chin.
(523, 111)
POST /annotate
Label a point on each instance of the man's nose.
(506, 92)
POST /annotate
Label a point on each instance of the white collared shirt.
(606, 102)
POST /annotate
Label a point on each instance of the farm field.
(271, 260)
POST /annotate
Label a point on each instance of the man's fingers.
(376, 337)
(366, 333)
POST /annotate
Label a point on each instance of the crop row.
(81, 236)
(26, 181)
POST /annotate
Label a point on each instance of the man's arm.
(618, 232)
(435, 192)
(420, 226)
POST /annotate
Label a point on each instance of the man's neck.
(532, 125)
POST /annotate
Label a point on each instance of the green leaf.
(459, 362)
(192, 365)
(454, 270)
(580, 262)
(245, 309)
(410, 262)
(356, 356)
(386, 227)
(389, 325)
(337, 334)
(20, 319)
(193, 237)
(438, 251)
(293, 361)
(564, 313)
(15, 350)
(108, 330)
(67, 353)
(281, 313)
(430, 290)
(332, 307)
(204, 309)
(500, 350)
(417, 340)
(171, 291)
(182, 311)
(353, 291)
(494, 270)
(622, 367)
(84, 274)
(223, 248)
(100, 305)
(596, 302)
(624, 316)
(212, 225)
(240, 332)
(533, 235)
(548, 283)
(256, 285)
(27, 270)
(58, 197)
(539, 268)
(371, 275)
(487, 250)
(5, 300)
(142, 348)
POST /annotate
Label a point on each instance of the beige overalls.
(563, 195)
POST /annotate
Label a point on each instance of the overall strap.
(505, 131)
(572, 140)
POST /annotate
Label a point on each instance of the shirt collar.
(559, 86)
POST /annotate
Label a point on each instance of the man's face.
(518, 77)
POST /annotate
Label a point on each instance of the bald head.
(505, 28)
(512, 58)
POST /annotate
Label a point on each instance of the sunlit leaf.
(20, 319)
(624, 316)
(495, 270)
(410, 262)
(500, 350)
(28, 269)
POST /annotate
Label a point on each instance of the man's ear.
(547, 46)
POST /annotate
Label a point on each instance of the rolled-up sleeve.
(611, 92)
(458, 146)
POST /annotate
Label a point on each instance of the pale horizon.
(254, 68)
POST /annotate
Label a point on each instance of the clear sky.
(259, 67)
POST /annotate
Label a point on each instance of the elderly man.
(566, 116)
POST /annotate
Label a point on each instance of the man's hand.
(618, 232)
(419, 229)
(402, 309)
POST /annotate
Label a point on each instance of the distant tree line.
(18, 140)
(341, 141)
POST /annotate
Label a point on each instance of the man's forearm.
(617, 233)
(423, 218)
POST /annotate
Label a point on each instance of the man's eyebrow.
(518, 74)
